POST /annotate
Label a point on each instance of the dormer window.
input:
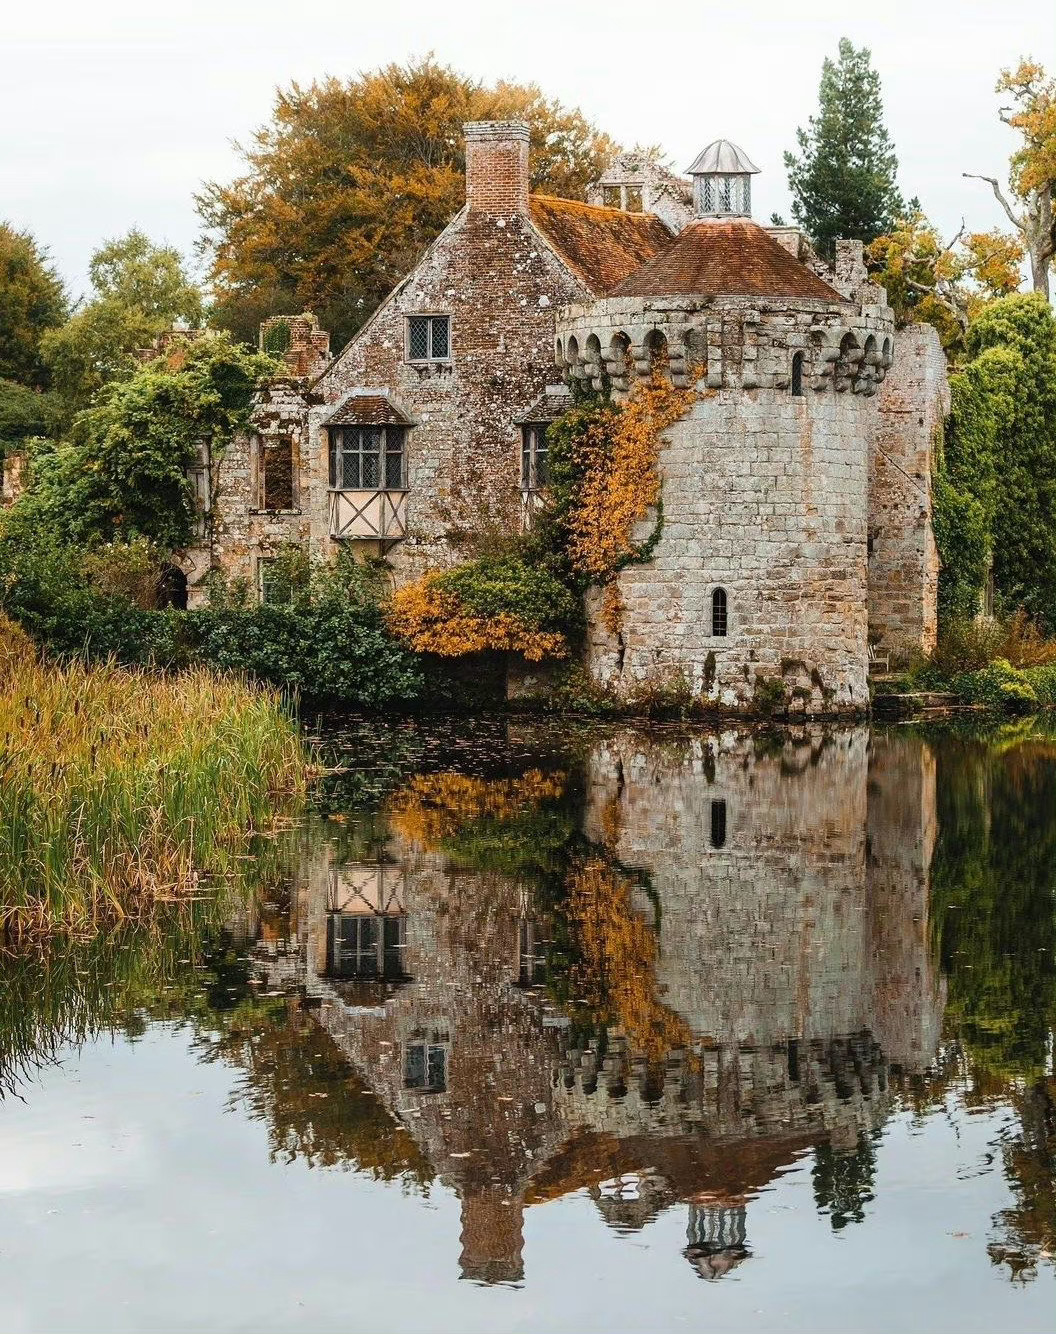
(428, 338)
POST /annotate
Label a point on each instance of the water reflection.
(652, 969)
(659, 973)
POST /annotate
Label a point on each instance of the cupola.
(722, 181)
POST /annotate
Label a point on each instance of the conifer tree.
(843, 179)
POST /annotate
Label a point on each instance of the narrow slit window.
(797, 375)
(719, 613)
(428, 337)
(718, 824)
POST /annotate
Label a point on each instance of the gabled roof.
(728, 258)
(600, 245)
(368, 407)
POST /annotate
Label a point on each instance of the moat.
(566, 1028)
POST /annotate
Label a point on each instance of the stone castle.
(796, 492)
(792, 946)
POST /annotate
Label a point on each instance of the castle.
(796, 491)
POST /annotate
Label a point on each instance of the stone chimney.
(497, 167)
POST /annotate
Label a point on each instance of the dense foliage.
(32, 301)
(351, 180)
(843, 178)
(139, 290)
(123, 469)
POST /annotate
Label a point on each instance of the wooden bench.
(878, 660)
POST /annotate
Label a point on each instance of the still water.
(536, 1028)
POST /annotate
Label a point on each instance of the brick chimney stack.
(497, 167)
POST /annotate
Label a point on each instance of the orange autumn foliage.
(621, 479)
(434, 807)
(617, 975)
(434, 619)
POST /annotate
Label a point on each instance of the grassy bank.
(121, 787)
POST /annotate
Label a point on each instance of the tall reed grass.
(119, 788)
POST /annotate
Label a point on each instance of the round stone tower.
(759, 574)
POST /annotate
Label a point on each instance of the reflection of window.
(366, 458)
(533, 456)
(429, 338)
(275, 473)
(718, 824)
(425, 1067)
(531, 961)
(365, 945)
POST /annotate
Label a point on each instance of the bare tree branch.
(999, 197)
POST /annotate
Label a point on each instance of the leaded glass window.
(367, 458)
(428, 337)
(534, 454)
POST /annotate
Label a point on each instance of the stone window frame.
(260, 444)
(431, 316)
(795, 383)
(720, 612)
(260, 579)
(388, 433)
(530, 451)
(625, 190)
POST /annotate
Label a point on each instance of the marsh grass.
(122, 788)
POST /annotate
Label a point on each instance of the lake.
(547, 1026)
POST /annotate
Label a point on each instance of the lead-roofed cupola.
(722, 181)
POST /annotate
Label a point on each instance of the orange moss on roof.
(601, 245)
(734, 258)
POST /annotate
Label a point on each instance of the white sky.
(115, 111)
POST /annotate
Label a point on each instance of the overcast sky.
(114, 111)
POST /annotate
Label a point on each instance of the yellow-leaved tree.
(352, 179)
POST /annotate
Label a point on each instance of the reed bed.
(120, 788)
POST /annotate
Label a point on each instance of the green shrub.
(999, 686)
(494, 585)
(1042, 680)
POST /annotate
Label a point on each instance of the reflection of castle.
(789, 893)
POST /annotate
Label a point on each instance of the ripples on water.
(582, 1018)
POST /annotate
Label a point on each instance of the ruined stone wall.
(242, 534)
(903, 560)
(497, 279)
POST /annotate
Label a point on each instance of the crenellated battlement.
(737, 343)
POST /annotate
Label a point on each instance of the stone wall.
(500, 283)
(903, 560)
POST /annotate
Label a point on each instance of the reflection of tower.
(717, 1236)
(492, 1237)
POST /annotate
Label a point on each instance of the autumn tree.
(351, 180)
(32, 301)
(944, 283)
(138, 290)
(843, 178)
(1032, 172)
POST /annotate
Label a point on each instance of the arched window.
(797, 375)
(718, 824)
(719, 616)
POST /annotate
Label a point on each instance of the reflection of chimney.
(492, 1237)
(497, 166)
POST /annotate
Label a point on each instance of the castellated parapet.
(765, 489)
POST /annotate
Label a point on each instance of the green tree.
(352, 180)
(122, 472)
(843, 178)
(138, 291)
(32, 301)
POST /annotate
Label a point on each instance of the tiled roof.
(367, 408)
(601, 245)
(734, 258)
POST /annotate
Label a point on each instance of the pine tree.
(843, 181)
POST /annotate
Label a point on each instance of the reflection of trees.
(843, 1181)
(994, 877)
